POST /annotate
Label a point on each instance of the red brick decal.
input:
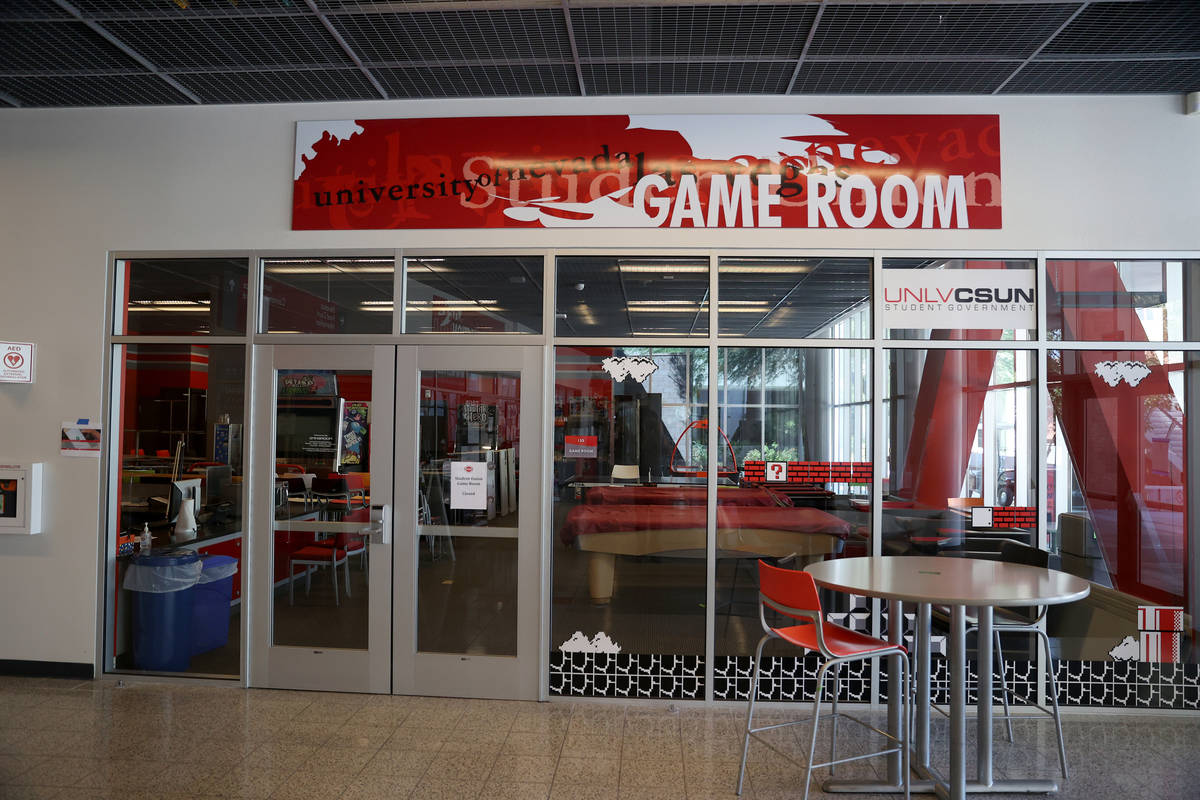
(1014, 517)
(820, 472)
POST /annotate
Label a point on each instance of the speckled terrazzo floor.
(66, 739)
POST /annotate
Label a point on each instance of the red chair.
(315, 555)
(794, 594)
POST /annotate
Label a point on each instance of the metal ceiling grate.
(736, 78)
(1113, 77)
(180, 9)
(975, 30)
(909, 77)
(279, 86)
(222, 43)
(478, 81)
(103, 90)
(31, 10)
(75, 48)
(1157, 27)
(234, 51)
(510, 36)
(723, 32)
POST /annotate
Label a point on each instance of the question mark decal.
(777, 471)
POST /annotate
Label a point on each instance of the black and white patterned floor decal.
(1110, 684)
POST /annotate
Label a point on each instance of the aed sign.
(468, 485)
(579, 446)
(16, 362)
(992, 299)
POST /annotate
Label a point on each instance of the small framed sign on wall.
(16, 362)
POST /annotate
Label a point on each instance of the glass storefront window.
(1128, 300)
(327, 295)
(799, 423)
(629, 296)
(467, 554)
(799, 298)
(181, 296)
(473, 294)
(322, 456)
(959, 471)
(1117, 500)
(630, 478)
(180, 439)
(924, 289)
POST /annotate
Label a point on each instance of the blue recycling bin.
(210, 609)
(162, 585)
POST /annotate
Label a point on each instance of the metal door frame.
(327, 669)
(456, 674)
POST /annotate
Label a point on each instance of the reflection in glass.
(630, 296)
(799, 423)
(479, 294)
(1118, 492)
(960, 457)
(629, 505)
(322, 473)
(180, 436)
(981, 310)
(467, 513)
(795, 297)
(1106, 300)
(327, 295)
(181, 296)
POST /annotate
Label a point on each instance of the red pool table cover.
(682, 495)
(587, 518)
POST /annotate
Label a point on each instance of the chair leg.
(750, 711)
(337, 600)
(1062, 747)
(837, 677)
(905, 733)
(291, 584)
(812, 744)
(345, 572)
(999, 658)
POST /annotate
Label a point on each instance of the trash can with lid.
(162, 586)
(210, 608)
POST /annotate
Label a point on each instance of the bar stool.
(794, 594)
(1025, 620)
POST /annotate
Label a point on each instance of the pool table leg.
(600, 577)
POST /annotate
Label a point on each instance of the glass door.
(468, 476)
(322, 485)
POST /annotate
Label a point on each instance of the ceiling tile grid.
(519, 35)
(149, 52)
(478, 81)
(294, 86)
(748, 31)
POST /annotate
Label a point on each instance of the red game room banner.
(646, 171)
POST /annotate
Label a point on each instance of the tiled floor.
(65, 739)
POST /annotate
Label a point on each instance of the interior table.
(959, 583)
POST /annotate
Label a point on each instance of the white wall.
(1080, 173)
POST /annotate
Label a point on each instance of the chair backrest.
(788, 587)
(1017, 553)
(336, 485)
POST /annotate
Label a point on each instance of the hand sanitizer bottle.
(146, 538)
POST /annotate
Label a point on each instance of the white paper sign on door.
(468, 485)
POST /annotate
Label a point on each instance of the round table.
(958, 583)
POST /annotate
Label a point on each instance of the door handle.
(380, 528)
